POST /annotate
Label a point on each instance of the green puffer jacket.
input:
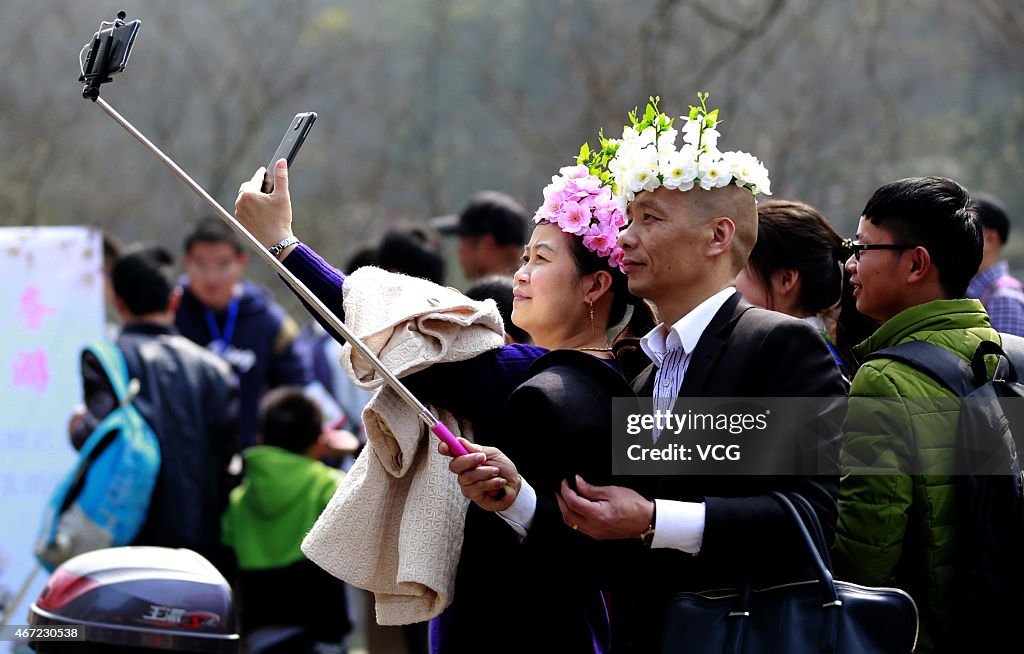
(900, 530)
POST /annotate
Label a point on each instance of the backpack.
(102, 502)
(989, 592)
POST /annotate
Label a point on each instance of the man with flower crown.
(692, 223)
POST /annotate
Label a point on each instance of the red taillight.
(62, 588)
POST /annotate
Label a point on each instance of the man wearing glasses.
(918, 244)
(238, 320)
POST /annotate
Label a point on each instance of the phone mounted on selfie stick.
(107, 55)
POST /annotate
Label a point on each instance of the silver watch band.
(276, 248)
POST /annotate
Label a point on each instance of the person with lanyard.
(797, 268)
(692, 223)
(571, 297)
(237, 320)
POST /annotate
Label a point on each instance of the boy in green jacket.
(918, 245)
(288, 604)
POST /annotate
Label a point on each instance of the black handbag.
(820, 615)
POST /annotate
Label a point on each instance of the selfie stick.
(436, 426)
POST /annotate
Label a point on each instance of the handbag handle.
(809, 516)
(830, 596)
(818, 550)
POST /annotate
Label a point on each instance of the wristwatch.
(276, 248)
(647, 535)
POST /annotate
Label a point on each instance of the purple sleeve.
(476, 389)
(323, 279)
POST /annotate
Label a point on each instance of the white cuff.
(679, 525)
(520, 514)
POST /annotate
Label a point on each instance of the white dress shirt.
(679, 525)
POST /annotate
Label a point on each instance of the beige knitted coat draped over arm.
(395, 525)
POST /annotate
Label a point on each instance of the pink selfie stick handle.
(449, 439)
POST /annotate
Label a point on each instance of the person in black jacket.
(188, 396)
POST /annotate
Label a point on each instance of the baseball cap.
(488, 212)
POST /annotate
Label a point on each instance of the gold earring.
(593, 328)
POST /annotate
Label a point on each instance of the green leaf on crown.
(584, 156)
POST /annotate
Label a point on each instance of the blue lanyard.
(220, 341)
(834, 351)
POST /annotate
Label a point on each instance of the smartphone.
(110, 50)
(290, 144)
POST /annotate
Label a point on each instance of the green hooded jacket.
(279, 499)
(897, 529)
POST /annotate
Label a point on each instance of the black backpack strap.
(1013, 349)
(935, 361)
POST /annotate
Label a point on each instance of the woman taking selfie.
(548, 403)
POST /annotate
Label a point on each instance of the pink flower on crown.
(599, 239)
(554, 199)
(582, 205)
(575, 218)
(608, 212)
(616, 257)
(579, 171)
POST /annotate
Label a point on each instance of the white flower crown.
(646, 156)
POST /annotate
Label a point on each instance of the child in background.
(288, 604)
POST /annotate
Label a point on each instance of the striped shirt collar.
(686, 331)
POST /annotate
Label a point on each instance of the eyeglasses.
(856, 248)
(211, 268)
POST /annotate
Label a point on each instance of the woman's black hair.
(795, 235)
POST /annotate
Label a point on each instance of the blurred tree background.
(423, 103)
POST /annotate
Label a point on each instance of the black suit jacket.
(190, 399)
(744, 352)
(554, 425)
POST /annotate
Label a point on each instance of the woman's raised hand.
(268, 216)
